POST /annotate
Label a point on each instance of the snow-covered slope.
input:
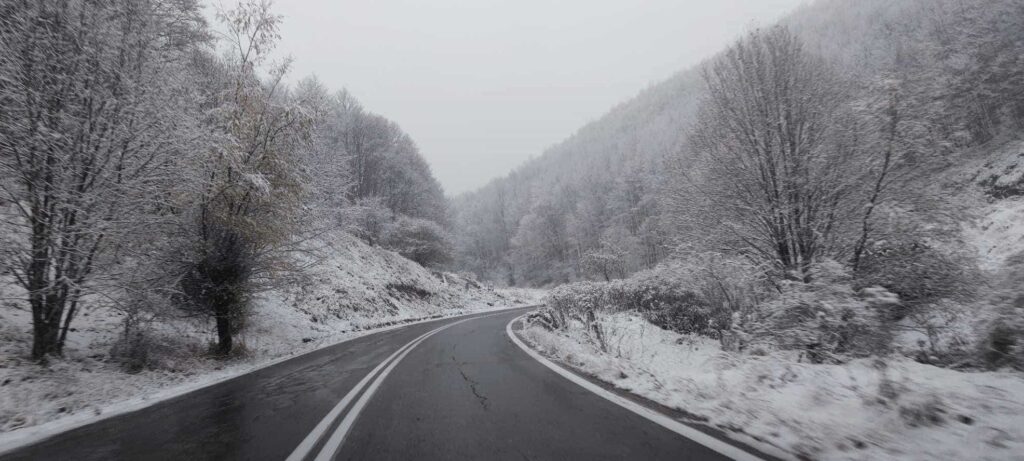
(346, 288)
(867, 409)
(356, 282)
(998, 230)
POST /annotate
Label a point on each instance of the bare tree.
(253, 184)
(778, 184)
(887, 159)
(91, 123)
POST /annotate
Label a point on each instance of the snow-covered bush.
(368, 219)
(919, 273)
(700, 296)
(574, 300)
(1003, 343)
(733, 288)
(576, 303)
(825, 319)
(218, 282)
(665, 299)
(606, 261)
(547, 318)
(420, 240)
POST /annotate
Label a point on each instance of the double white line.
(332, 445)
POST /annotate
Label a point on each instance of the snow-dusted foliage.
(825, 320)
(420, 240)
(96, 114)
(384, 163)
(840, 230)
(368, 219)
(920, 80)
(348, 289)
(774, 168)
(588, 208)
(151, 166)
(701, 298)
(864, 409)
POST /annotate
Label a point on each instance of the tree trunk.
(67, 322)
(44, 338)
(879, 189)
(224, 340)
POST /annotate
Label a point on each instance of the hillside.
(594, 206)
(349, 288)
(827, 214)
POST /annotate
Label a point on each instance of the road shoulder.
(736, 444)
(14, 440)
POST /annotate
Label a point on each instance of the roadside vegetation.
(175, 205)
(827, 216)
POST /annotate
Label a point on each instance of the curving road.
(446, 390)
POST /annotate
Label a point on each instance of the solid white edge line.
(660, 419)
(317, 433)
(331, 447)
(18, 439)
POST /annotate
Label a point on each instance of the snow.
(868, 409)
(995, 199)
(349, 292)
(999, 233)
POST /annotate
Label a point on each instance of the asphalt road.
(464, 392)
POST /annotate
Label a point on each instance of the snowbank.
(868, 409)
(998, 234)
(350, 289)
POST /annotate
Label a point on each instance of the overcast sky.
(483, 85)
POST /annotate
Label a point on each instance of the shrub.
(731, 288)
(919, 273)
(826, 319)
(574, 301)
(579, 302)
(368, 219)
(666, 300)
(663, 296)
(419, 240)
(546, 318)
(132, 350)
(1003, 343)
(606, 262)
(218, 282)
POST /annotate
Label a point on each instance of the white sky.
(483, 85)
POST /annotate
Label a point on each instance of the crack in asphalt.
(472, 384)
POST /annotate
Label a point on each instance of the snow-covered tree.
(252, 184)
(95, 113)
(776, 180)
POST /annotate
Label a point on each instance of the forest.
(155, 163)
(837, 148)
(912, 85)
(826, 212)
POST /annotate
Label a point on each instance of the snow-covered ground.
(999, 232)
(354, 289)
(995, 194)
(868, 409)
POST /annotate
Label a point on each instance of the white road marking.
(662, 420)
(317, 433)
(332, 445)
(13, 441)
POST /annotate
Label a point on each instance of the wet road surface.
(463, 392)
